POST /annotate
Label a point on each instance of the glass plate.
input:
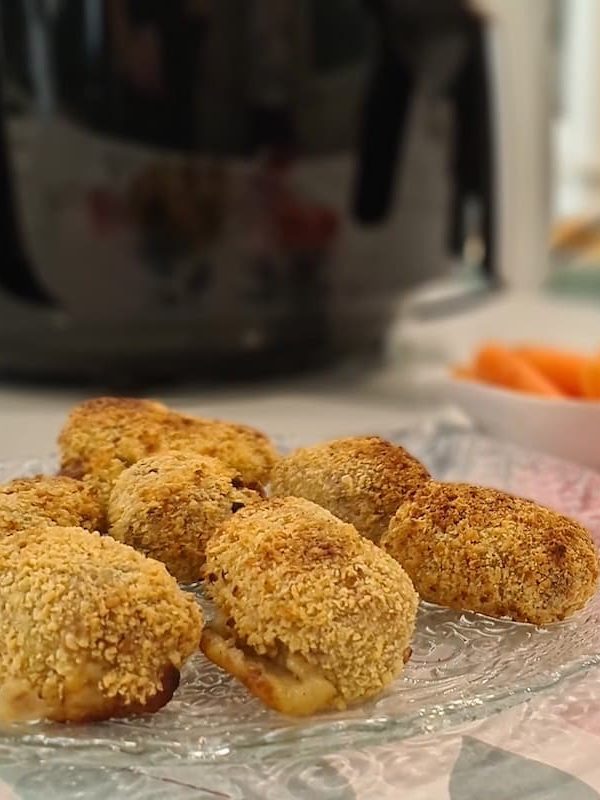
(464, 666)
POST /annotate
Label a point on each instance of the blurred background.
(260, 209)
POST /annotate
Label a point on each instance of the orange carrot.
(590, 379)
(563, 367)
(499, 365)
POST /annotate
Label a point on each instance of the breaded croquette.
(90, 629)
(58, 500)
(362, 480)
(102, 437)
(167, 506)
(311, 614)
(483, 550)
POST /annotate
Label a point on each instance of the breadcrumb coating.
(56, 500)
(167, 506)
(362, 480)
(104, 436)
(89, 628)
(289, 577)
(478, 549)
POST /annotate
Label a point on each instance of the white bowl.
(566, 428)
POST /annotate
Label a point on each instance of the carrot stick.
(563, 367)
(498, 365)
(590, 379)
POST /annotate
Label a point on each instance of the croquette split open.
(315, 615)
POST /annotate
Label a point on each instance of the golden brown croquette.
(311, 614)
(90, 629)
(362, 480)
(167, 506)
(62, 501)
(483, 550)
(104, 436)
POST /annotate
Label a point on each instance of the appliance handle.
(519, 79)
(384, 123)
(16, 274)
(473, 176)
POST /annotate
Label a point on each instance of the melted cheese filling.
(284, 681)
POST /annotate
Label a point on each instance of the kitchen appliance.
(200, 186)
